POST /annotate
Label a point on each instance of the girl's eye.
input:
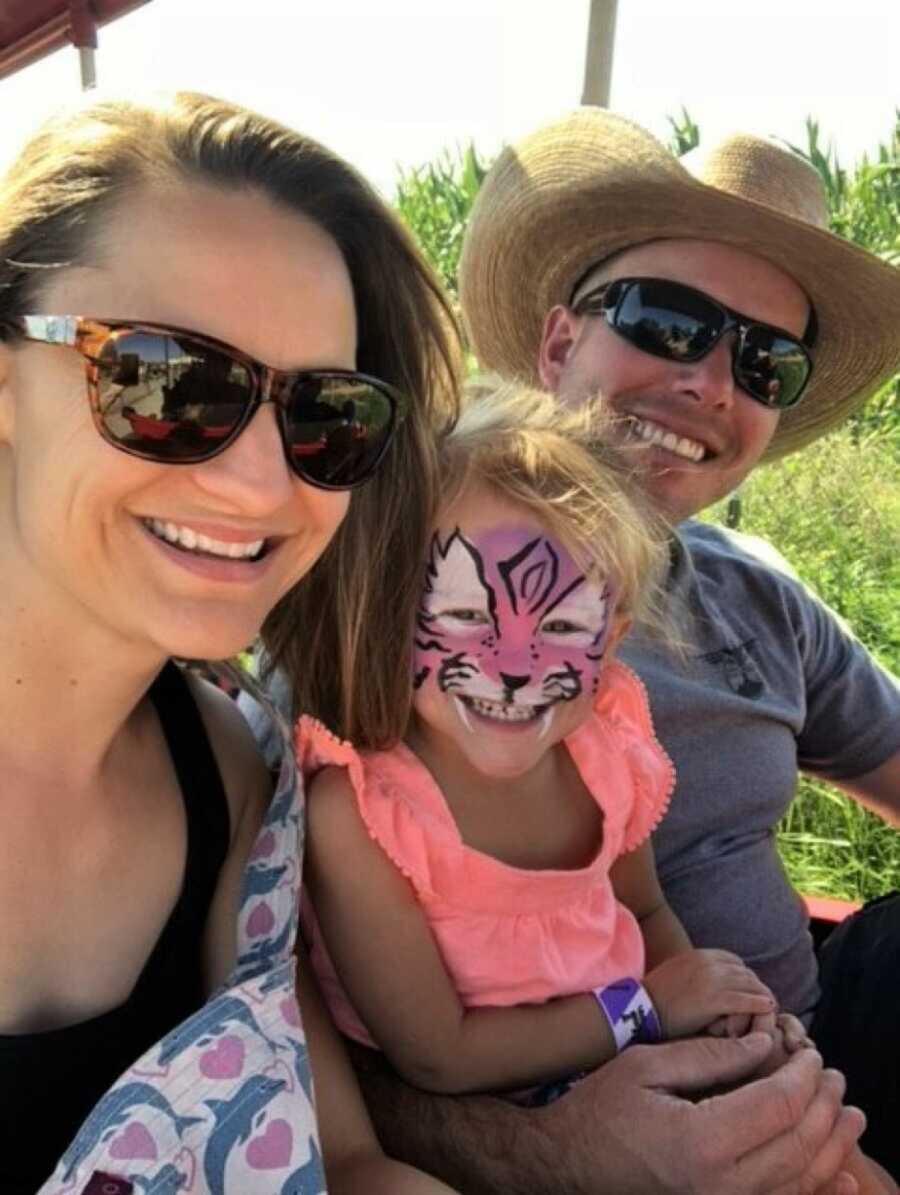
(560, 626)
(470, 616)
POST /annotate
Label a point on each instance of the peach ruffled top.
(509, 935)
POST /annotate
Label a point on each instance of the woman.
(211, 331)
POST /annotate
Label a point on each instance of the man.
(726, 327)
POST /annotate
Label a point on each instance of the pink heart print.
(290, 1012)
(132, 1143)
(225, 1060)
(264, 846)
(261, 920)
(273, 1148)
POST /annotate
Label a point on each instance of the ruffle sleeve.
(392, 812)
(623, 705)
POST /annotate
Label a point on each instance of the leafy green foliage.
(434, 200)
(833, 511)
(685, 133)
(864, 207)
(864, 204)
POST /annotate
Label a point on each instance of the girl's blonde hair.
(340, 631)
(561, 465)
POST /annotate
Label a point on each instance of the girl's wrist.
(630, 1012)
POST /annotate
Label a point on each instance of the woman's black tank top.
(50, 1081)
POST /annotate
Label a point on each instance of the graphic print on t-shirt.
(738, 668)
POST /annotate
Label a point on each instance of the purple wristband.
(632, 1018)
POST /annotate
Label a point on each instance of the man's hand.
(639, 1125)
(786, 1134)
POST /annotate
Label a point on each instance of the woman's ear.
(7, 405)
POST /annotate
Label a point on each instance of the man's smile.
(657, 436)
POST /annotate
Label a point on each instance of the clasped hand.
(709, 990)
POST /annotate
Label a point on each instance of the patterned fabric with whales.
(224, 1102)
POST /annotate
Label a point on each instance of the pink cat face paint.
(510, 633)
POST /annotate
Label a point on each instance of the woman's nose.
(253, 472)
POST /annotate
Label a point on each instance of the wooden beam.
(599, 55)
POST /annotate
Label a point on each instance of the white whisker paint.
(463, 715)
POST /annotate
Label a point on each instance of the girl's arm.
(690, 989)
(395, 978)
(637, 887)
(393, 974)
(353, 1158)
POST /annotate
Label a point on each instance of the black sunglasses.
(678, 323)
(178, 398)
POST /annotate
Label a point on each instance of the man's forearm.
(478, 1144)
(627, 1130)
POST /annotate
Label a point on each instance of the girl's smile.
(511, 637)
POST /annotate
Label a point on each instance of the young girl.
(486, 907)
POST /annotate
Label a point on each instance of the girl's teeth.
(501, 711)
(195, 541)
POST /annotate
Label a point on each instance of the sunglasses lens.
(773, 368)
(667, 320)
(167, 397)
(337, 428)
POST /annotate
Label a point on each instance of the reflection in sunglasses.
(177, 397)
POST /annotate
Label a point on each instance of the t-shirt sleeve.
(852, 720)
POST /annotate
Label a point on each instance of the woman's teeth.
(652, 433)
(194, 541)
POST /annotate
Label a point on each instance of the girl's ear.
(621, 625)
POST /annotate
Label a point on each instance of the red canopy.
(29, 29)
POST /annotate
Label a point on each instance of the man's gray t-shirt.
(772, 683)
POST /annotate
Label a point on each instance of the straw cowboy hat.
(593, 183)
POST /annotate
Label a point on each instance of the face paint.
(508, 626)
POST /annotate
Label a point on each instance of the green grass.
(833, 511)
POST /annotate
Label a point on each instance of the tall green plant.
(435, 201)
(864, 204)
(685, 133)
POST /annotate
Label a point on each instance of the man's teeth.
(194, 541)
(502, 711)
(652, 433)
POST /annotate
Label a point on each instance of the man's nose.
(710, 380)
